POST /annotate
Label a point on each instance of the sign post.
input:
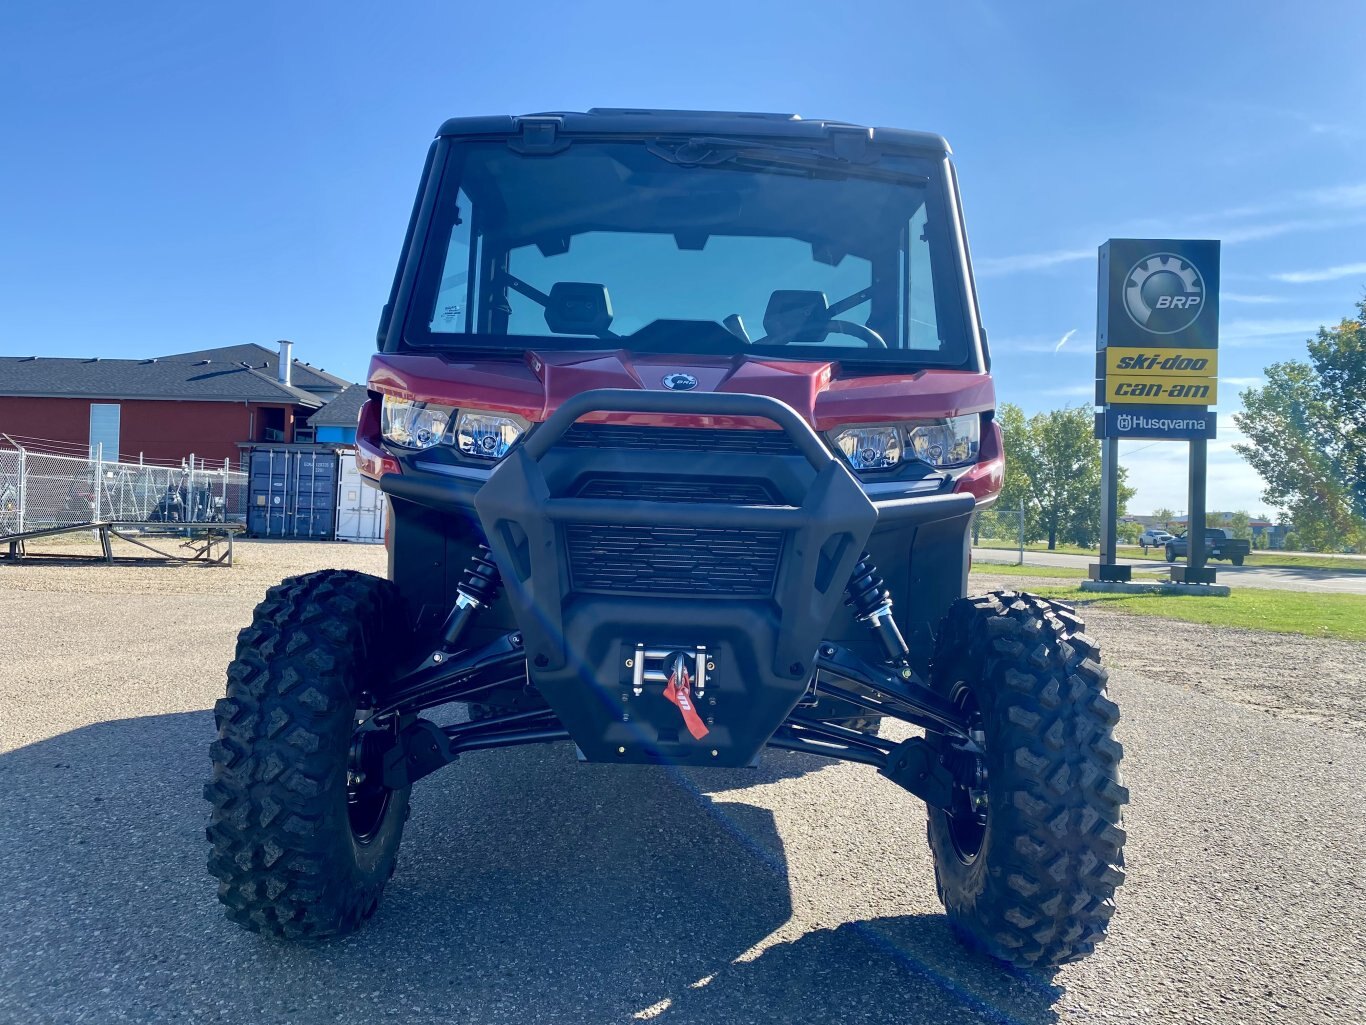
(1157, 367)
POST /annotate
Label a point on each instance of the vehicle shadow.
(528, 889)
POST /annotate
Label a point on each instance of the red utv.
(683, 418)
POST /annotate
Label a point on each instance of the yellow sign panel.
(1161, 391)
(1161, 362)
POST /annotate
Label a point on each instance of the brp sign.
(1157, 337)
(1159, 292)
(1164, 293)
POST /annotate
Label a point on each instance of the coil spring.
(866, 590)
(481, 580)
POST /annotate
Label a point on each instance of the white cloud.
(1064, 339)
(1071, 391)
(1216, 224)
(1274, 229)
(1251, 300)
(1038, 344)
(1159, 473)
(992, 266)
(1336, 131)
(1242, 332)
(1348, 197)
(1243, 382)
(1342, 270)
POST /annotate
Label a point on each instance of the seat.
(579, 308)
(796, 315)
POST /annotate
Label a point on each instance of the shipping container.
(292, 493)
(361, 509)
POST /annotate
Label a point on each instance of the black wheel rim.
(967, 821)
(367, 802)
(366, 808)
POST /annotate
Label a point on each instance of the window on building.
(104, 430)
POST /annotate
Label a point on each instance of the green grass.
(1276, 560)
(1266, 559)
(1313, 614)
(1011, 570)
(1004, 569)
(1033, 546)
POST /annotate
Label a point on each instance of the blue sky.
(183, 175)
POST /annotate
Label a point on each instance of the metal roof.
(636, 121)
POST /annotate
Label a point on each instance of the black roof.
(302, 375)
(206, 380)
(343, 411)
(634, 121)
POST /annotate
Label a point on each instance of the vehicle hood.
(534, 384)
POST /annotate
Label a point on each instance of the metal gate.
(362, 511)
(292, 494)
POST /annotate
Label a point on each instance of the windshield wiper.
(768, 157)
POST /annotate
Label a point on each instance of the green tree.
(1306, 431)
(1240, 523)
(1053, 465)
(1164, 516)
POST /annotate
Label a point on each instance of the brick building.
(204, 402)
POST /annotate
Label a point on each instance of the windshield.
(691, 246)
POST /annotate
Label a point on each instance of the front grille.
(677, 560)
(719, 490)
(678, 439)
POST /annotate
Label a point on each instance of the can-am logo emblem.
(1164, 293)
(680, 382)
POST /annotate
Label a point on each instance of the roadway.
(1324, 580)
(533, 889)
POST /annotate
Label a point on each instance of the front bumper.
(607, 552)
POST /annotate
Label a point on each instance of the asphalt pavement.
(533, 889)
(1237, 576)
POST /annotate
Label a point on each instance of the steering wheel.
(862, 332)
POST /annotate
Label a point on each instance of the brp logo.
(1164, 293)
(680, 382)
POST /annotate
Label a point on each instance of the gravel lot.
(532, 889)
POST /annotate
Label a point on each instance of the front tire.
(1031, 877)
(1171, 554)
(302, 848)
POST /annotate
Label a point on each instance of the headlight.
(474, 432)
(487, 435)
(954, 441)
(951, 442)
(870, 448)
(413, 424)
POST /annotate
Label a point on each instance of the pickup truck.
(1219, 544)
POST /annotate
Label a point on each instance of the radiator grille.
(677, 560)
(678, 439)
(719, 490)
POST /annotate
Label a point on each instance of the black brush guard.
(582, 643)
(761, 652)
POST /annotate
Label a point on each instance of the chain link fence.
(40, 490)
(1000, 528)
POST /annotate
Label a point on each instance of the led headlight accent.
(486, 435)
(413, 424)
(870, 448)
(951, 442)
(954, 441)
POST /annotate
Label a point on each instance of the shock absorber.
(479, 585)
(867, 594)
